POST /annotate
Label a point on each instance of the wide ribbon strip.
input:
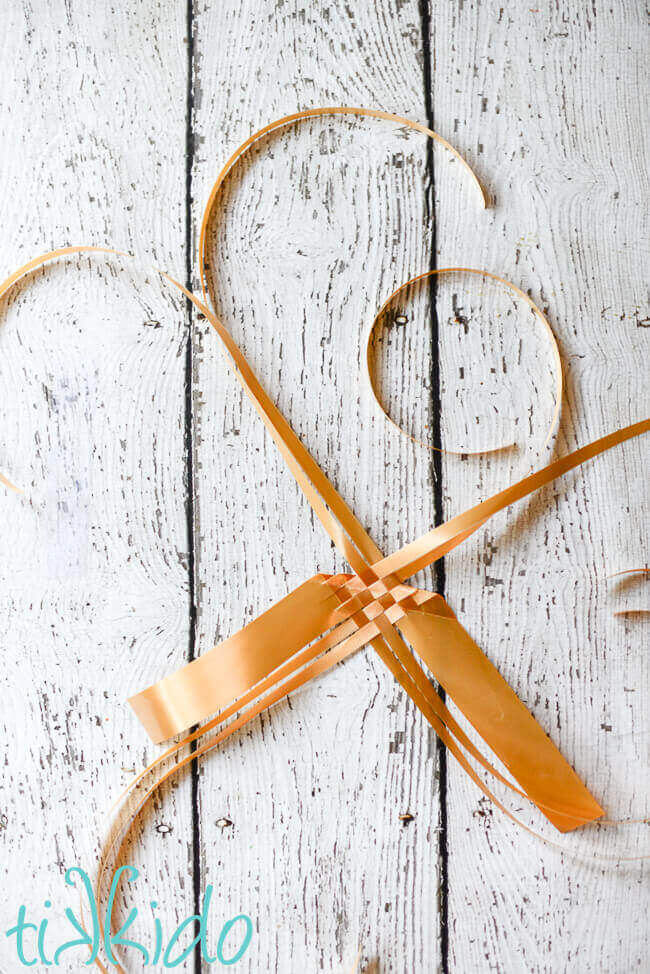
(328, 617)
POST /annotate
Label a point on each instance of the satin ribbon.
(328, 617)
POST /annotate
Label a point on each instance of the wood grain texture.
(93, 597)
(547, 104)
(316, 231)
(297, 820)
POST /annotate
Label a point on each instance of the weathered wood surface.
(94, 555)
(316, 231)
(553, 119)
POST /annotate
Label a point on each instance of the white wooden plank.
(547, 103)
(93, 597)
(316, 232)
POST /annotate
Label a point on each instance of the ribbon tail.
(499, 716)
(228, 670)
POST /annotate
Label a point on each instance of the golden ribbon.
(328, 617)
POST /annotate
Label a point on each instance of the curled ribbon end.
(7, 483)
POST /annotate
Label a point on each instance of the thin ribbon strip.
(7, 483)
(329, 617)
(627, 572)
(541, 317)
